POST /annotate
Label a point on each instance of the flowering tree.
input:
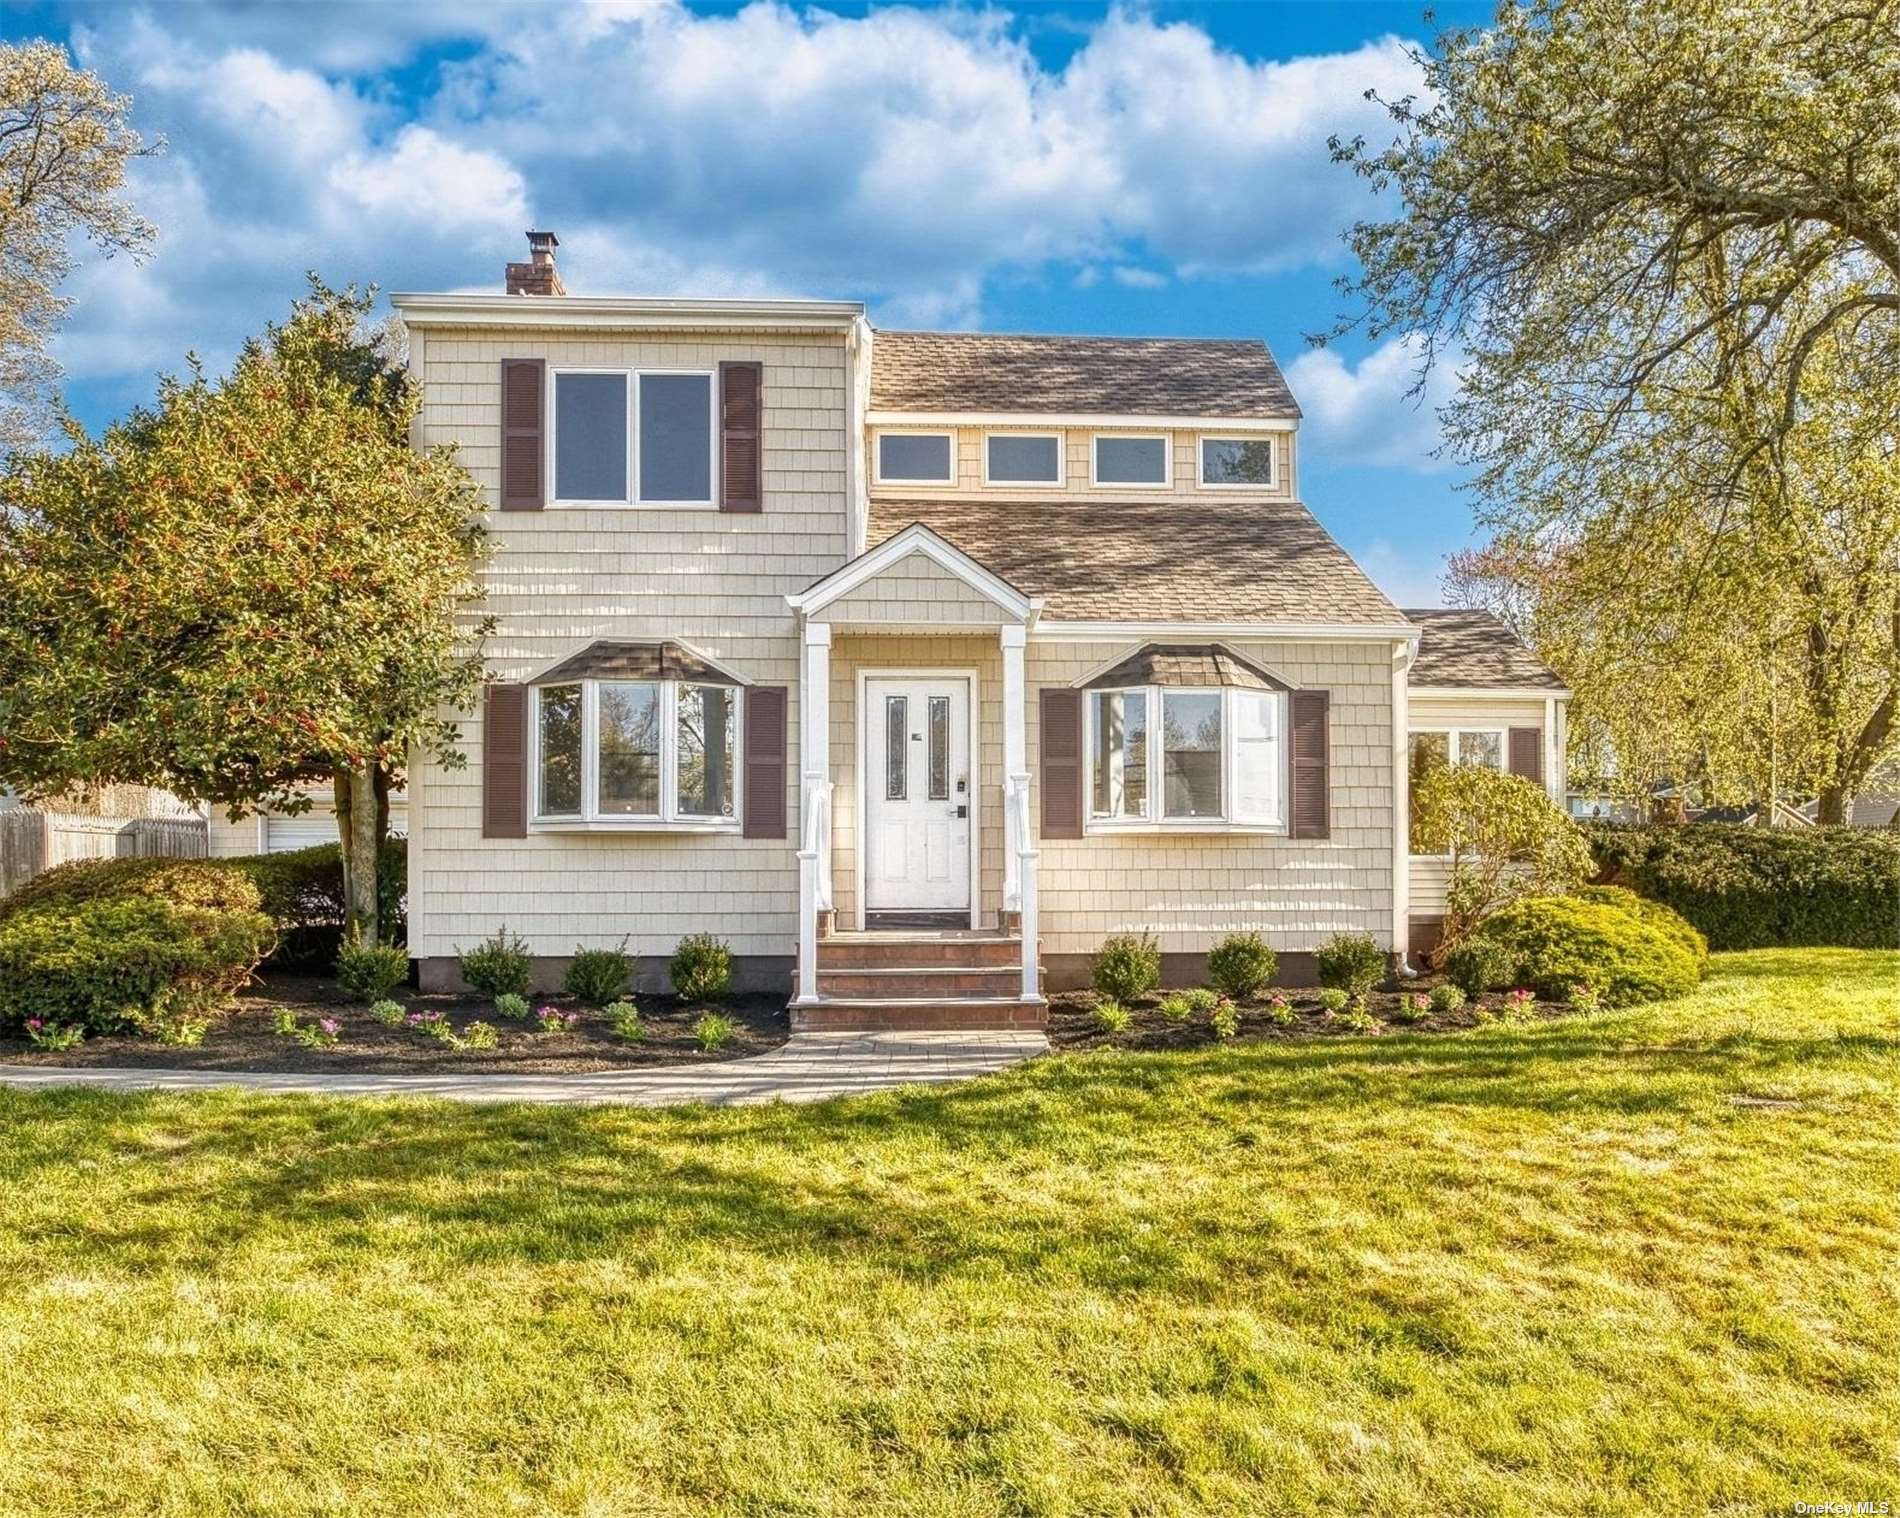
(254, 585)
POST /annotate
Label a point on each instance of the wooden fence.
(32, 841)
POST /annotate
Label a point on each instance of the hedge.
(302, 892)
(1758, 888)
(1630, 951)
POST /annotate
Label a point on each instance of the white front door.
(917, 794)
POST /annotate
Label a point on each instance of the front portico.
(914, 824)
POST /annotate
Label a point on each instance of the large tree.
(1664, 241)
(254, 585)
(65, 140)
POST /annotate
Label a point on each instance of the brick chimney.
(537, 276)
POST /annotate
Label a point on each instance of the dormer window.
(1141, 462)
(914, 458)
(1237, 462)
(1022, 458)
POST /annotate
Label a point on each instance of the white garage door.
(282, 834)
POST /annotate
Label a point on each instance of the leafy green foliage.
(498, 966)
(1333, 1000)
(388, 1013)
(714, 1032)
(624, 1018)
(312, 1033)
(701, 969)
(1353, 962)
(1358, 1017)
(480, 1035)
(1447, 996)
(1551, 944)
(1476, 964)
(1110, 1016)
(1200, 999)
(1224, 1019)
(1176, 1007)
(1747, 888)
(1279, 1010)
(512, 1006)
(1413, 1005)
(368, 972)
(1505, 836)
(55, 1036)
(303, 894)
(216, 885)
(1126, 966)
(598, 976)
(1241, 965)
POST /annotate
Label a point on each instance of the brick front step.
(888, 951)
(918, 1015)
(912, 982)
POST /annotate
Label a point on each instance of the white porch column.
(814, 794)
(1015, 760)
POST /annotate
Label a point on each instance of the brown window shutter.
(741, 440)
(1061, 763)
(504, 761)
(1312, 765)
(523, 453)
(765, 762)
(1527, 753)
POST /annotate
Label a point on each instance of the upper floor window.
(914, 458)
(636, 750)
(1242, 461)
(1139, 461)
(1022, 458)
(1180, 755)
(642, 437)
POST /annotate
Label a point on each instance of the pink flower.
(34, 1024)
(330, 1025)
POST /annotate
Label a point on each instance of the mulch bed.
(1072, 1025)
(246, 1040)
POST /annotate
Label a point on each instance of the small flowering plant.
(551, 1019)
(1585, 998)
(1413, 1005)
(1224, 1019)
(51, 1035)
(318, 1034)
(1518, 1003)
(434, 1023)
(1279, 1009)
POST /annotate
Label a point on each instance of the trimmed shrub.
(303, 894)
(1662, 918)
(701, 969)
(1758, 888)
(136, 962)
(1352, 962)
(388, 1013)
(598, 976)
(1477, 964)
(1126, 966)
(1554, 943)
(368, 973)
(1242, 965)
(217, 885)
(498, 966)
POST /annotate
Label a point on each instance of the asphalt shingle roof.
(1129, 376)
(1154, 561)
(1460, 647)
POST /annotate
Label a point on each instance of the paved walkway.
(808, 1068)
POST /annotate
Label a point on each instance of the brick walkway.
(808, 1068)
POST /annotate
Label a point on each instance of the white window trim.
(879, 477)
(1453, 745)
(669, 818)
(1166, 439)
(633, 498)
(1155, 822)
(1062, 463)
(1201, 441)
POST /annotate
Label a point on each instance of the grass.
(1640, 1261)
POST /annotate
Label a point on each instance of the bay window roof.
(1203, 665)
(609, 659)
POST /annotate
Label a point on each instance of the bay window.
(1219, 757)
(654, 751)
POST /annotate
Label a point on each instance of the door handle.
(963, 811)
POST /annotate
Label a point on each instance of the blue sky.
(1067, 168)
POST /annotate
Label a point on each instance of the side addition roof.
(968, 372)
(1464, 649)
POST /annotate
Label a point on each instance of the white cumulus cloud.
(1365, 413)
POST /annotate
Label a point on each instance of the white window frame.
(633, 498)
(669, 818)
(1166, 439)
(1062, 462)
(1156, 821)
(1201, 440)
(879, 477)
(1453, 752)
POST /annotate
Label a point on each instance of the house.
(271, 832)
(913, 664)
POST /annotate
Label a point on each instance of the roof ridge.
(1065, 337)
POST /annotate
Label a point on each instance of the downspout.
(857, 378)
(1403, 652)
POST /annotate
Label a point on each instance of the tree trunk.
(1831, 806)
(359, 853)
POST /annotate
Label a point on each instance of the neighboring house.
(279, 832)
(914, 665)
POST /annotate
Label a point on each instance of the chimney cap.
(542, 242)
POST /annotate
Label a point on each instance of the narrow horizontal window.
(590, 437)
(676, 438)
(917, 458)
(1131, 461)
(1023, 459)
(1236, 461)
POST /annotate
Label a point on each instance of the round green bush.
(1552, 943)
(368, 973)
(701, 969)
(1126, 966)
(1477, 964)
(1662, 918)
(1351, 961)
(1242, 965)
(597, 976)
(216, 885)
(497, 966)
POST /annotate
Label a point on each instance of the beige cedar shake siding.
(915, 591)
(561, 578)
(1191, 889)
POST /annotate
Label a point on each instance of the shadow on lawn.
(1004, 1174)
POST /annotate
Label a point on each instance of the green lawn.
(1637, 1262)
